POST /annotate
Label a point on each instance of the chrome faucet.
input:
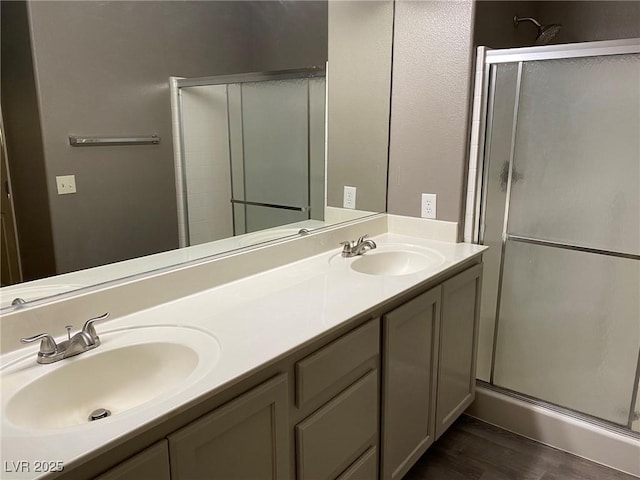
(357, 247)
(83, 341)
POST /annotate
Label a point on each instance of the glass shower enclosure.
(250, 152)
(559, 205)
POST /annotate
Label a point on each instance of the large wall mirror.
(121, 70)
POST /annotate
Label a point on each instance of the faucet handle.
(362, 238)
(48, 345)
(347, 246)
(88, 325)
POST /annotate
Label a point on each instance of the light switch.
(66, 184)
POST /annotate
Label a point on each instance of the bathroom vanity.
(314, 370)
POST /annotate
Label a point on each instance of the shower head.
(545, 32)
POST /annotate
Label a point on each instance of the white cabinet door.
(150, 463)
(410, 352)
(458, 345)
(244, 439)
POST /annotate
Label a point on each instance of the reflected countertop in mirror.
(58, 285)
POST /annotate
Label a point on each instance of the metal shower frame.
(519, 56)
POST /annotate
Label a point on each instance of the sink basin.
(392, 260)
(391, 263)
(131, 368)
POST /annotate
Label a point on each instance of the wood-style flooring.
(474, 450)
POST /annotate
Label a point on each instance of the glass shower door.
(250, 153)
(274, 154)
(567, 226)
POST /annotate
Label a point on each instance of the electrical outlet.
(66, 184)
(428, 208)
(349, 200)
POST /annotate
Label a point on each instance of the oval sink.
(130, 369)
(391, 260)
(391, 263)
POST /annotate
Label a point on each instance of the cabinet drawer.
(332, 438)
(330, 366)
(364, 468)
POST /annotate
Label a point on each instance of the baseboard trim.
(563, 432)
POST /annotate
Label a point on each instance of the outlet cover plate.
(349, 199)
(428, 205)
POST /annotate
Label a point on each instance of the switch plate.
(66, 184)
(349, 200)
(428, 209)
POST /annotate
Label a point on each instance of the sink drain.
(99, 413)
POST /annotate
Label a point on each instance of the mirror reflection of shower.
(546, 33)
(249, 153)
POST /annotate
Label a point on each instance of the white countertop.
(255, 320)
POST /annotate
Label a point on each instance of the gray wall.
(360, 44)
(23, 139)
(494, 24)
(581, 21)
(591, 20)
(429, 106)
(286, 35)
(102, 68)
(431, 88)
